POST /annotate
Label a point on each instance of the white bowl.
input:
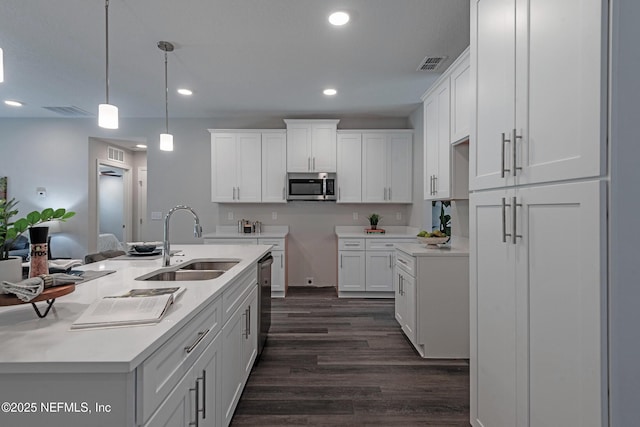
(433, 240)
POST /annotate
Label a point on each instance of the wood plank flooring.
(345, 362)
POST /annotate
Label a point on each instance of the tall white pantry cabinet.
(553, 213)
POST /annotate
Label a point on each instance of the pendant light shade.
(107, 113)
(1, 66)
(166, 139)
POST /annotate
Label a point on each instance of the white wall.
(111, 205)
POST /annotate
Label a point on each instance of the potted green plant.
(373, 220)
(10, 230)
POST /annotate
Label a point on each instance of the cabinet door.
(379, 271)
(349, 168)
(278, 271)
(207, 372)
(351, 270)
(493, 300)
(232, 364)
(564, 279)
(400, 168)
(323, 147)
(431, 135)
(409, 296)
(298, 147)
(493, 75)
(250, 339)
(223, 167)
(399, 303)
(274, 167)
(441, 185)
(374, 168)
(248, 167)
(460, 101)
(561, 111)
(178, 410)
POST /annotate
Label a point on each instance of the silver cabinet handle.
(238, 193)
(514, 138)
(435, 184)
(203, 378)
(314, 163)
(389, 193)
(390, 261)
(431, 185)
(195, 406)
(282, 261)
(385, 193)
(352, 244)
(308, 163)
(234, 193)
(283, 196)
(248, 321)
(340, 260)
(504, 220)
(502, 158)
(401, 285)
(201, 335)
(401, 261)
(339, 193)
(514, 217)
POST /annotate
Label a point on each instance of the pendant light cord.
(166, 93)
(106, 31)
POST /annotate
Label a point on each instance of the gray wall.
(56, 154)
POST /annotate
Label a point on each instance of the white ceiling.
(240, 57)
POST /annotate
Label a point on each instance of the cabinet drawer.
(406, 262)
(237, 292)
(350, 244)
(386, 244)
(278, 244)
(239, 241)
(164, 369)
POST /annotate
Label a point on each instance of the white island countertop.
(458, 246)
(231, 232)
(391, 232)
(33, 345)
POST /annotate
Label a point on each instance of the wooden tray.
(49, 295)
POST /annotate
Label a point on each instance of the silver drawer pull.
(201, 335)
(514, 138)
(352, 244)
(502, 158)
(401, 261)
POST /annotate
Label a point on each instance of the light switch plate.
(156, 216)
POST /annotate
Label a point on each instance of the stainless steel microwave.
(311, 186)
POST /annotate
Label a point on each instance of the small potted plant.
(10, 230)
(373, 220)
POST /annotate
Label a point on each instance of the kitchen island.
(190, 366)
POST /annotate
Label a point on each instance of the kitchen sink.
(208, 265)
(197, 269)
(179, 275)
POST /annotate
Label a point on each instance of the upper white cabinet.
(349, 167)
(311, 145)
(274, 167)
(235, 167)
(447, 114)
(387, 166)
(540, 91)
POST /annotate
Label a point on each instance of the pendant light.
(166, 139)
(107, 113)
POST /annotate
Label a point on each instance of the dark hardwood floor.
(345, 362)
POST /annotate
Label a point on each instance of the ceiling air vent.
(115, 154)
(431, 63)
(71, 111)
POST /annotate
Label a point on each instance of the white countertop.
(231, 231)
(33, 345)
(391, 231)
(459, 246)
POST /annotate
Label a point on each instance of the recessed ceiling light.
(339, 18)
(141, 146)
(186, 92)
(330, 92)
(14, 103)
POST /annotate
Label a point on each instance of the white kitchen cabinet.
(446, 111)
(379, 271)
(537, 122)
(349, 160)
(274, 166)
(351, 265)
(239, 350)
(387, 167)
(311, 145)
(538, 306)
(236, 167)
(432, 294)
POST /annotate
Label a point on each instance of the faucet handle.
(197, 230)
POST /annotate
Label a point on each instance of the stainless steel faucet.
(197, 232)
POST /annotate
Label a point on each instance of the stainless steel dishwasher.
(264, 299)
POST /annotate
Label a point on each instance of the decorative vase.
(11, 269)
(39, 253)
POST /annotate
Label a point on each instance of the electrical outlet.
(355, 216)
(156, 216)
(230, 216)
(309, 281)
(274, 215)
(41, 191)
(398, 216)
